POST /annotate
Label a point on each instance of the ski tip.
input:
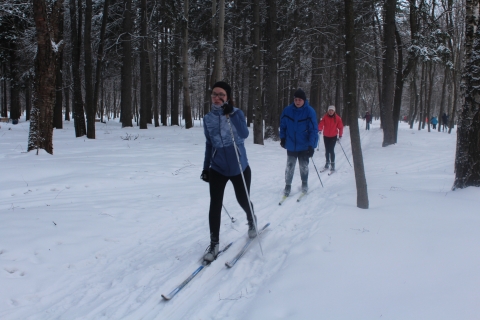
(228, 264)
(166, 297)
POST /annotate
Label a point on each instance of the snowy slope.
(103, 227)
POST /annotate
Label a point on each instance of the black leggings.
(218, 183)
(330, 143)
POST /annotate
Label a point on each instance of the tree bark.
(443, 99)
(126, 78)
(388, 84)
(271, 73)
(467, 158)
(58, 38)
(99, 67)
(76, 26)
(164, 79)
(218, 66)
(143, 67)
(88, 67)
(352, 107)
(41, 124)
(257, 102)
(187, 108)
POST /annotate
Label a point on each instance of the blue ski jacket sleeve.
(219, 147)
(298, 126)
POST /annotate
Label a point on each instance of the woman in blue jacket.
(299, 135)
(221, 163)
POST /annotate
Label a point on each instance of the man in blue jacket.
(299, 135)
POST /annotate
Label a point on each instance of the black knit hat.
(300, 94)
(224, 86)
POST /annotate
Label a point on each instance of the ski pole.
(344, 153)
(231, 218)
(317, 171)
(244, 183)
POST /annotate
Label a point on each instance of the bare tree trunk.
(164, 79)
(76, 26)
(207, 100)
(351, 101)
(4, 93)
(187, 108)
(272, 73)
(430, 91)
(467, 158)
(155, 84)
(421, 107)
(388, 86)
(28, 97)
(66, 90)
(413, 94)
(15, 109)
(257, 104)
(41, 124)
(442, 101)
(126, 80)
(90, 109)
(57, 113)
(378, 58)
(99, 67)
(251, 93)
(174, 84)
(218, 67)
(416, 98)
(143, 67)
(454, 99)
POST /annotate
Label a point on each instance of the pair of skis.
(299, 198)
(229, 264)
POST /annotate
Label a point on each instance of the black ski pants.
(330, 143)
(218, 182)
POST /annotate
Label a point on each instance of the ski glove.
(227, 108)
(205, 176)
(282, 143)
(310, 151)
(339, 138)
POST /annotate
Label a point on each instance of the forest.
(154, 62)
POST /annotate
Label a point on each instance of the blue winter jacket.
(299, 127)
(219, 147)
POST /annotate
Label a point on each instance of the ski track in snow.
(148, 213)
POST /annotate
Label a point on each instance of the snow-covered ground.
(103, 227)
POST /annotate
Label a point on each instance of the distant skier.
(434, 122)
(221, 163)
(444, 122)
(368, 120)
(299, 135)
(331, 126)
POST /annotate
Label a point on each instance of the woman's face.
(219, 96)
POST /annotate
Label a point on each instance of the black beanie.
(300, 94)
(224, 86)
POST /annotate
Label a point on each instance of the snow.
(103, 227)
